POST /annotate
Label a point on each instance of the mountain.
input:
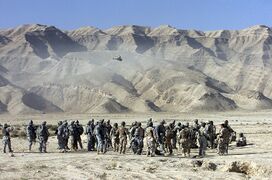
(164, 69)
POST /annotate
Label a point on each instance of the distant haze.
(44, 69)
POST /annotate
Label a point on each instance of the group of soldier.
(157, 140)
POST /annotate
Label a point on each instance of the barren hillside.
(44, 69)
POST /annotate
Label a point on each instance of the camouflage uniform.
(202, 141)
(58, 136)
(6, 138)
(137, 140)
(63, 136)
(223, 140)
(90, 135)
(114, 134)
(100, 136)
(160, 136)
(79, 132)
(211, 132)
(31, 134)
(241, 141)
(150, 141)
(184, 136)
(168, 140)
(123, 133)
(43, 137)
(175, 133)
(73, 135)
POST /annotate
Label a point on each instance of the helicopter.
(117, 58)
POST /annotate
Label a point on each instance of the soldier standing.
(150, 141)
(184, 137)
(202, 140)
(63, 136)
(90, 135)
(168, 139)
(31, 134)
(114, 134)
(58, 136)
(73, 134)
(43, 137)
(123, 133)
(175, 132)
(79, 132)
(223, 140)
(160, 135)
(6, 138)
(99, 136)
(211, 132)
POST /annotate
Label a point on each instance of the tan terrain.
(253, 161)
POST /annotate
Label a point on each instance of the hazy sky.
(183, 14)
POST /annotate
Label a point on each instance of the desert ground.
(249, 162)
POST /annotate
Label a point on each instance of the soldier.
(31, 134)
(241, 141)
(168, 139)
(63, 136)
(202, 140)
(132, 129)
(196, 124)
(108, 127)
(66, 134)
(123, 133)
(184, 137)
(194, 130)
(58, 137)
(175, 132)
(79, 132)
(148, 121)
(90, 135)
(211, 132)
(114, 134)
(223, 140)
(150, 141)
(106, 137)
(100, 137)
(160, 135)
(73, 134)
(231, 134)
(137, 140)
(43, 137)
(6, 138)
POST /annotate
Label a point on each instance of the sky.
(183, 14)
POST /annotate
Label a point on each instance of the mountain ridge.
(163, 68)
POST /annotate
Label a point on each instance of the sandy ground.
(253, 161)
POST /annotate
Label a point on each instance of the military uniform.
(211, 132)
(115, 138)
(241, 141)
(137, 140)
(150, 142)
(168, 140)
(160, 135)
(223, 140)
(184, 136)
(90, 136)
(73, 135)
(202, 141)
(31, 134)
(43, 137)
(63, 136)
(123, 133)
(6, 138)
(99, 134)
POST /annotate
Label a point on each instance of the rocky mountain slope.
(44, 69)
